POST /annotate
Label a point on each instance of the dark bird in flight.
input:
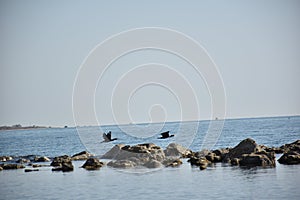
(165, 135)
(107, 137)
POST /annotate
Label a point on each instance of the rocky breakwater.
(246, 154)
(146, 155)
(291, 154)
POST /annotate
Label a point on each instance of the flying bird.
(107, 137)
(165, 135)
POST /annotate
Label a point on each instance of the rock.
(212, 157)
(248, 153)
(294, 146)
(23, 160)
(246, 146)
(65, 167)
(258, 159)
(290, 158)
(92, 164)
(121, 164)
(84, 155)
(1, 168)
(201, 162)
(153, 164)
(5, 158)
(111, 154)
(176, 150)
(12, 166)
(41, 159)
(57, 161)
(31, 170)
(138, 154)
(221, 152)
(172, 162)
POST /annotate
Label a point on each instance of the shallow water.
(185, 182)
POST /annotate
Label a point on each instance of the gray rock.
(121, 164)
(176, 150)
(153, 164)
(172, 162)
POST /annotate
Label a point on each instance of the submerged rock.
(84, 155)
(31, 170)
(92, 164)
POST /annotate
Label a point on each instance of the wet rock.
(294, 146)
(64, 167)
(84, 155)
(5, 158)
(41, 159)
(12, 166)
(31, 170)
(176, 150)
(92, 164)
(290, 158)
(221, 152)
(57, 161)
(212, 157)
(121, 164)
(202, 162)
(1, 168)
(37, 165)
(172, 162)
(258, 159)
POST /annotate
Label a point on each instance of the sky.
(254, 44)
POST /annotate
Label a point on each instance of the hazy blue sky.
(255, 44)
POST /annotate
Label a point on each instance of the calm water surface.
(185, 182)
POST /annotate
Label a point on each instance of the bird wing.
(106, 139)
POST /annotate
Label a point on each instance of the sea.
(220, 181)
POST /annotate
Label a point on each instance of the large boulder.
(84, 155)
(176, 150)
(249, 153)
(57, 161)
(92, 164)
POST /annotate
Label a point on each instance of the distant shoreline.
(6, 128)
